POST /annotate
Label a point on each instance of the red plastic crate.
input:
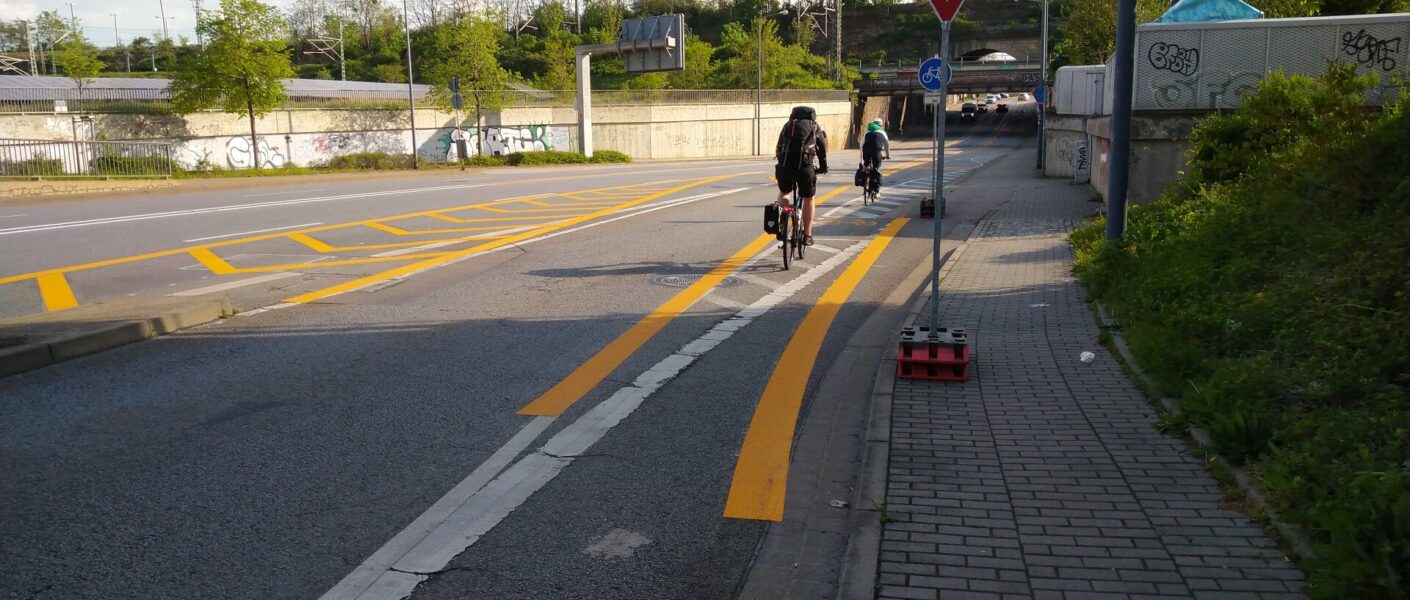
(945, 359)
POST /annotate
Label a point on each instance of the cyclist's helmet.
(804, 112)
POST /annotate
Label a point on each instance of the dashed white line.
(220, 287)
(216, 237)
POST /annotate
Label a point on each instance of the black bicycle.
(790, 232)
(872, 189)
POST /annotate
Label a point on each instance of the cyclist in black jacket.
(800, 141)
(874, 145)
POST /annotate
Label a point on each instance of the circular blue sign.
(934, 73)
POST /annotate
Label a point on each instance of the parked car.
(1002, 107)
(1024, 97)
(969, 112)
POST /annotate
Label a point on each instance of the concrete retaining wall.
(1158, 146)
(308, 137)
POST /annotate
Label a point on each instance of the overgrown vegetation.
(1270, 292)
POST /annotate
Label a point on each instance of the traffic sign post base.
(939, 356)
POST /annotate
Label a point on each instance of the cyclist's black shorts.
(806, 179)
(872, 158)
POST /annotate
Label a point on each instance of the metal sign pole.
(939, 185)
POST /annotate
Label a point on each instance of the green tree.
(1087, 35)
(242, 67)
(78, 60)
(699, 66)
(466, 49)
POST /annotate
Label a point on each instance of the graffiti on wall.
(1174, 58)
(1370, 51)
(497, 141)
(239, 156)
(324, 146)
(1221, 90)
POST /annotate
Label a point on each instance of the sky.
(135, 18)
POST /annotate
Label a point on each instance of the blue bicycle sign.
(934, 73)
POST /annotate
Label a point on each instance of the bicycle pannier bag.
(861, 174)
(771, 218)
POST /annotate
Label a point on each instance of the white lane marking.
(874, 211)
(216, 237)
(827, 249)
(723, 302)
(283, 192)
(220, 287)
(377, 565)
(218, 209)
(484, 509)
(760, 281)
(653, 208)
(10, 216)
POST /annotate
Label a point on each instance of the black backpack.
(798, 143)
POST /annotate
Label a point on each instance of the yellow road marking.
(449, 256)
(581, 381)
(322, 246)
(54, 289)
(588, 375)
(761, 473)
(451, 219)
(269, 236)
(215, 263)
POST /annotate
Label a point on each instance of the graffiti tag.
(1174, 58)
(238, 155)
(1370, 50)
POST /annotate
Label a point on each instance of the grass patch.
(1270, 293)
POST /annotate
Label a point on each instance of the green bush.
(557, 157)
(370, 161)
(34, 167)
(486, 161)
(1270, 292)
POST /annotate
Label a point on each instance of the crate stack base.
(943, 359)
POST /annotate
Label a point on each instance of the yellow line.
(449, 256)
(215, 263)
(55, 290)
(491, 219)
(320, 246)
(761, 473)
(581, 381)
(269, 236)
(586, 377)
(333, 263)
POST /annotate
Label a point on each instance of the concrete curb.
(105, 336)
(1295, 538)
(858, 580)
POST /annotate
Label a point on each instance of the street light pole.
(126, 55)
(162, 7)
(1043, 78)
(759, 94)
(1120, 171)
(410, 91)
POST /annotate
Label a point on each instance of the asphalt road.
(285, 453)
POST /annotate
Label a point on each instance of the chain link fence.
(38, 159)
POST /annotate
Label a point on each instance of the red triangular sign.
(946, 9)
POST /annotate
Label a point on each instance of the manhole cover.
(681, 281)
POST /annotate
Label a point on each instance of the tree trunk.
(254, 141)
(479, 129)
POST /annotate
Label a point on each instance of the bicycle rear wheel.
(785, 237)
(798, 241)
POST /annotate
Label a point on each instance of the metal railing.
(157, 101)
(39, 159)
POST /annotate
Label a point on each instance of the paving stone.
(1047, 474)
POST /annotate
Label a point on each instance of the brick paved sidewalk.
(1043, 477)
